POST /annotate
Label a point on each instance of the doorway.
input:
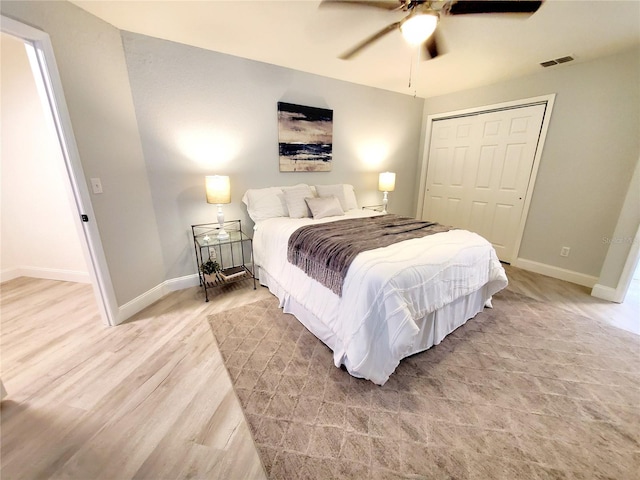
(40, 52)
(481, 170)
(35, 199)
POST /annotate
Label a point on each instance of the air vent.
(566, 59)
(557, 61)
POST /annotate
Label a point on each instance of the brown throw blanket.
(325, 251)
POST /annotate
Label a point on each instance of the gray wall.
(591, 150)
(202, 113)
(92, 67)
(198, 113)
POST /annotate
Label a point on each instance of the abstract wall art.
(305, 138)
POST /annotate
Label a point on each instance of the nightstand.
(375, 208)
(222, 262)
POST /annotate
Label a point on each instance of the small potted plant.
(210, 269)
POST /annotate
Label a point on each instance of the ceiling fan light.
(417, 28)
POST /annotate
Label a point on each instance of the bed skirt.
(434, 327)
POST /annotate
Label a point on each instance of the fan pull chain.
(415, 87)
(414, 56)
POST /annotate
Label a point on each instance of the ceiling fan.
(419, 25)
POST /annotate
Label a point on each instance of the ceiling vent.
(566, 59)
(557, 61)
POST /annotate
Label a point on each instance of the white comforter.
(386, 290)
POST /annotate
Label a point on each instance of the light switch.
(96, 184)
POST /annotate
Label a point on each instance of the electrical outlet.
(564, 251)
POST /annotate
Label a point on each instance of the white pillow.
(294, 198)
(324, 207)
(350, 197)
(344, 192)
(265, 203)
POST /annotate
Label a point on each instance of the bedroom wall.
(92, 67)
(591, 150)
(202, 113)
(620, 242)
(39, 237)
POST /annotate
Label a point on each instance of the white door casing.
(40, 52)
(481, 170)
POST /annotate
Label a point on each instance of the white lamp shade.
(387, 182)
(218, 189)
(417, 28)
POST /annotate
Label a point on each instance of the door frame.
(630, 266)
(41, 52)
(547, 100)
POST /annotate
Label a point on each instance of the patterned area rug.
(522, 391)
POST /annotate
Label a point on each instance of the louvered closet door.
(478, 172)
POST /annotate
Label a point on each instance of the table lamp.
(219, 192)
(386, 184)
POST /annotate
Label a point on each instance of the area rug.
(521, 391)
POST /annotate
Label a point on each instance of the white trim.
(605, 293)
(543, 99)
(617, 294)
(141, 302)
(556, 272)
(181, 283)
(9, 274)
(42, 53)
(45, 273)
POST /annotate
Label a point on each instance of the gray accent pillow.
(322, 207)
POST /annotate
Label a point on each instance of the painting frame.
(305, 138)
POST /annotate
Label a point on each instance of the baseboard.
(45, 273)
(9, 274)
(556, 272)
(606, 293)
(181, 283)
(141, 302)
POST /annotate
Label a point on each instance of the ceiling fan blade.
(385, 5)
(465, 7)
(430, 47)
(368, 41)
(434, 46)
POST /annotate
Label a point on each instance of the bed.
(395, 301)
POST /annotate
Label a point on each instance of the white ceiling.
(481, 49)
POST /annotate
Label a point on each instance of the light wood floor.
(150, 398)
(578, 298)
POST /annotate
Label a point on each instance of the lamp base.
(222, 234)
(385, 200)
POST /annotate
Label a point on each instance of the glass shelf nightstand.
(221, 262)
(375, 208)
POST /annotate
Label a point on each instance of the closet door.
(479, 171)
